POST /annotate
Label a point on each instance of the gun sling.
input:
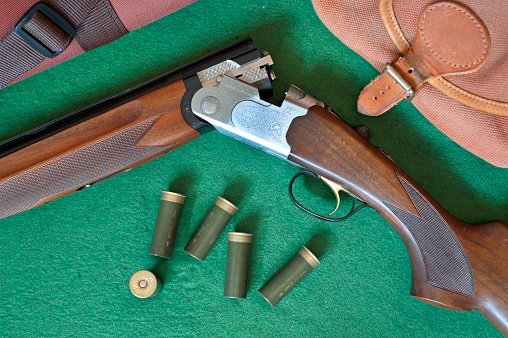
(48, 28)
(38, 35)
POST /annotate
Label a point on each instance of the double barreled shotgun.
(454, 265)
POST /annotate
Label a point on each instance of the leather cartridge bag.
(38, 35)
(450, 59)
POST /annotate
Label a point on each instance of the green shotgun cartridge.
(237, 264)
(289, 276)
(144, 284)
(166, 224)
(210, 228)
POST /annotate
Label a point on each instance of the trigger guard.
(324, 218)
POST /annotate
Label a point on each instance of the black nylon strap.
(96, 24)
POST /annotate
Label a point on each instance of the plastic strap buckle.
(55, 17)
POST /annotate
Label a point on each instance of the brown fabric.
(12, 48)
(137, 13)
(73, 50)
(450, 40)
(44, 30)
(100, 27)
(443, 85)
(95, 21)
(131, 14)
(359, 25)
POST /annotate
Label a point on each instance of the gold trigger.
(335, 188)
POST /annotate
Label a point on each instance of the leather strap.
(443, 85)
(94, 21)
(392, 26)
(450, 39)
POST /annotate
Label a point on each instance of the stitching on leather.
(396, 24)
(469, 16)
(387, 5)
(472, 96)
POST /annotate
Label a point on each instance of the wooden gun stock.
(454, 265)
(112, 142)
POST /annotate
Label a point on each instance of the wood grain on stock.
(124, 137)
(326, 145)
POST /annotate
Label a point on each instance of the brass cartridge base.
(144, 284)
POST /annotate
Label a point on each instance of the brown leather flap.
(450, 39)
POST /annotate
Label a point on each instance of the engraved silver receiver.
(234, 108)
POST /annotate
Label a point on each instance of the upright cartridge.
(237, 265)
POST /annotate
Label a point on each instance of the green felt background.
(65, 266)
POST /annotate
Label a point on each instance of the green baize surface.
(65, 266)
